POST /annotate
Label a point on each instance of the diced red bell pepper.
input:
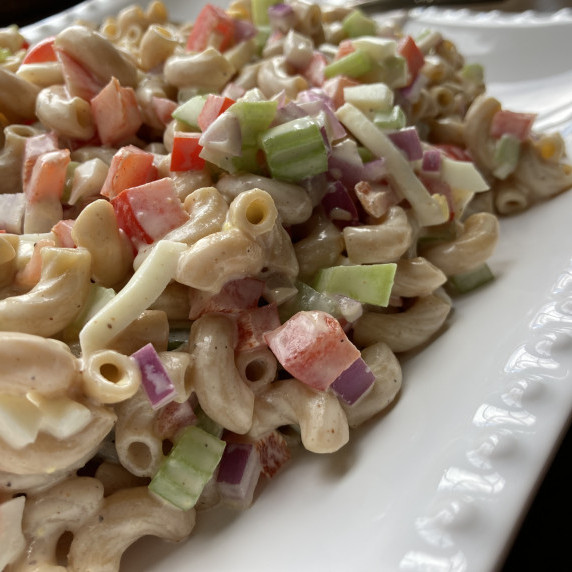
(414, 57)
(234, 296)
(314, 71)
(130, 167)
(253, 324)
(41, 52)
(35, 147)
(116, 113)
(453, 151)
(506, 122)
(163, 108)
(212, 108)
(148, 212)
(48, 176)
(213, 27)
(334, 88)
(174, 417)
(312, 347)
(186, 151)
(345, 47)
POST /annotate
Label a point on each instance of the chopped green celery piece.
(5, 53)
(262, 35)
(307, 299)
(191, 463)
(393, 119)
(473, 73)
(248, 161)
(177, 337)
(70, 170)
(376, 47)
(370, 97)
(366, 283)
(259, 10)
(446, 232)
(506, 155)
(355, 64)
(207, 424)
(467, 281)
(295, 150)
(365, 154)
(189, 111)
(392, 70)
(97, 297)
(254, 118)
(356, 23)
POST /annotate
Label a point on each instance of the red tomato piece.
(253, 324)
(185, 152)
(48, 176)
(213, 27)
(41, 52)
(234, 296)
(79, 81)
(148, 212)
(414, 57)
(116, 113)
(506, 122)
(130, 167)
(213, 107)
(313, 347)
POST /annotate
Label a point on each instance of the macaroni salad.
(216, 240)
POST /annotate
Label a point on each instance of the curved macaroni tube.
(96, 230)
(209, 69)
(221, 391)
(383, 242)
(46, 454)
(126, 516)
(10, 483)
(173, 302)
(207, 212)
(151, 326)
(470, 250)
(139, 447)
(52, 372)
(511, 197)
(178, 366)
(8, 258)
(253, 212)
(309, 20)
(41, 74)
(274, 77)
(115, 477)
(279, 252)
(292, 201)
(157, 44)
(144, 287)
(97, 54)
(67, 116)
(17, 97)
(388, 377)
(322, 421)
(64, 508)
(217, 258)
(13, 541)
(416, 277)
(257, 367)
(406, 330)
(55, 300)
(110, 377)
(12, 156)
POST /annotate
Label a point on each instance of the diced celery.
(366, 283)
(295, 150)
(467, 281)
(473, 73)
(254, 117)
(189, 111)
(462, 175)
(356, 23)
(506, 156)
(177, 337)
(392, 70)
(392, 119)
(208, 424)
(248, 161)
(262, 35)
(370, 97)
(5, 53)
(355, 64)
(191, 463)
(260, 11)
(438, 233)
(376, 47)
(307, 299)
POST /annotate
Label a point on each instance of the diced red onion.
(288, 112)
(12, 207)
(345, 163)
(375, 170)
(281, 17)
(273, 453)
(244, 30)
(223, 135)
(431, 161)
(412, 91)
(233, 91)
(354, 382)
(339, 205)
(154, 377)
(238, 474)
(408, 141)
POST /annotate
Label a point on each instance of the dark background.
(543, 539)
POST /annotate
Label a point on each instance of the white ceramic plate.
(440, 482)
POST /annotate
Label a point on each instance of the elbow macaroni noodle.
(79, 295)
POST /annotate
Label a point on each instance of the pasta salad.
(217, 240)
